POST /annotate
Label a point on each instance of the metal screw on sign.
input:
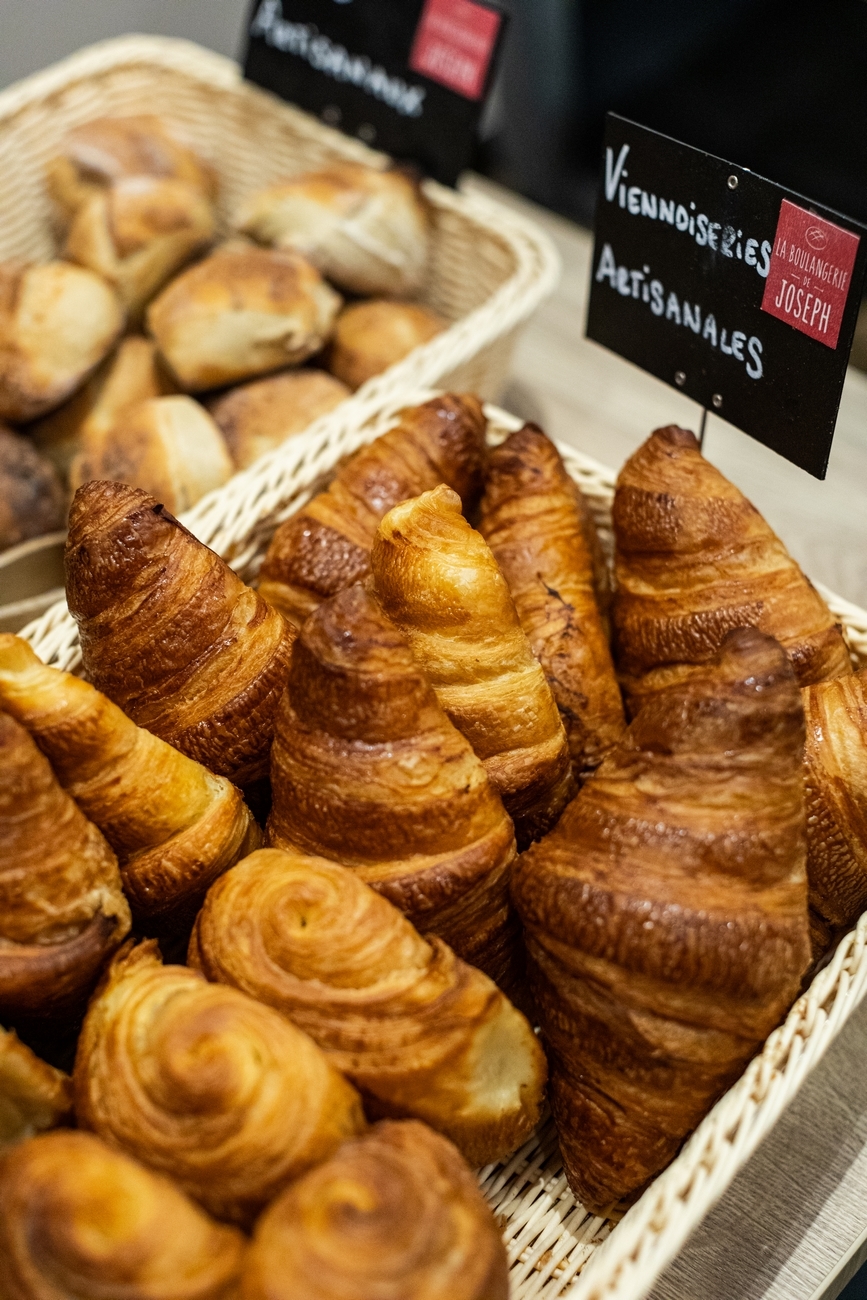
(680, 378)
(733, 182)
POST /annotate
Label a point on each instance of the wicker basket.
(489, 267)
(556, 1249)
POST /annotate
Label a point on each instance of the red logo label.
(810, 273)
(454, 42)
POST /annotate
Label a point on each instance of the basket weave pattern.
(556, 1249)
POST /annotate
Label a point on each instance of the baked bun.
(33, 1095)
(79, 1219)
(394, 1214)
(57, 322)
(241, 312)
(371, 336)
(131, 374)
(366, 229)
(138, 232)
(32, 498)
(257, 417)
(168, 446)
(106, 150)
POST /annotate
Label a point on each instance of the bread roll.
(57, 322)
(367, 230)
(32, 498)
(168, 446)
(416, 1029)
(138, 232)
(437, 579)
(201, 1082)
(171, 634)
(81, 1220)
(33, 1095)
(100, 153)
(394, 1215)
(325, 546)
(130, 375)
(255, 418)
(241, 312)
(371, 336)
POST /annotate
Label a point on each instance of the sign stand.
(701, 430)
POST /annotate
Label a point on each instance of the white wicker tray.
(555, 1248)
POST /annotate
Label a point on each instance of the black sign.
(406, 76)
(733, 289)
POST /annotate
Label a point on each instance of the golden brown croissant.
(171, 634)
(33, 1095)
(367, 770)
(416, 1029)
(78, 1219)
(371, 336)
(32, 498)
(326, 545)
(695, 559)
(836, 782)
(437, 579)
(62, 910)
(255, 418)
(395, 1215)
(534, 524)
(174, 825)
(666, 916)
(205, 1084)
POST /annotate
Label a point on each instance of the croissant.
(326, 545)
(62, 910)
(694, 559)
(836, 784)
(173, 825)
(665, 917)
(33, 1095)
(371, 336)
(256, 417)
(367, 770)
(437, 579)
(171, 634)
(533, 521)
(415, 1028)
(78, 1219)
(395, 1213)
(32, 499)
(204, 1084)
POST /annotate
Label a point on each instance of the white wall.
(34, 33)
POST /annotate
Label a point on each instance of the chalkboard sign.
(727, 286)
(406, 76)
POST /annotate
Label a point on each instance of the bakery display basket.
(556, 1249)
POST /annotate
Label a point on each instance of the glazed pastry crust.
(371, 336)
(33, 1095)
(416, 1029)
(694, 559)
(80, 1219)
(171, 634)
(533, 521)
(666, 915)
(256, 418)
(325, 547)
(201, 1082)
(437, 579)
(394, 1213)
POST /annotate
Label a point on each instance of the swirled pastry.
(533, 521)
(366, 229)
(79, 1219)
(325, 547)
(32, 499)
(396, 1213)
(57, 322)
(416, 1029)
(666, 915)
(174, 825)
(255, 418)
(33, 1095)
(371, 336)
(367, 770)
(62, 910)
(170, 634)
(205, 1084)
(437, 579)
(240, 312)
(694, 559)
